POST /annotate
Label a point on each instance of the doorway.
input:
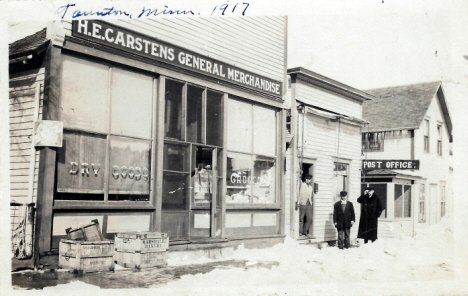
(307, 168)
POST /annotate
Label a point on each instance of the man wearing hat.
(343, 218)
(305, 205)
(371, 208)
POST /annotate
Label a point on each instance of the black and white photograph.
(234, 148)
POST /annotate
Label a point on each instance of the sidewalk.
(123, 277)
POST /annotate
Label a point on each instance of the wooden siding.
(321, 143)
(22, 90)
(255, 44)
(327, 100)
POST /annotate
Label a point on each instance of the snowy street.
(400, 266)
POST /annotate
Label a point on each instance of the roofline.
(316, 79)
(445, 111)
(378, 130)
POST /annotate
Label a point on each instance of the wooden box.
(80, 256)
(88, 232)
(141, 242)
(141, 260)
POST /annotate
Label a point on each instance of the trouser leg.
(308, 217)
(365, 241)
(302, 212)
(346, 237)
(340, 238)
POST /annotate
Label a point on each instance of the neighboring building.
(325, 131)
(410, 122)
(169, 125)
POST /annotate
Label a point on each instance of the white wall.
(435, 168)
(255, 44)
(325, 99)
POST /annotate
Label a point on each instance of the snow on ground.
(419, 265)
(398, 262)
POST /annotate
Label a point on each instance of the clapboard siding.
(22, 96)
(321, 143)
(255, 44)
(327, 100)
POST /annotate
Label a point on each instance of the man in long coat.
(343, 218)
(371, 208)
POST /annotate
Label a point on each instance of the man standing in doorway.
(305, 206)
(371, 208)
(343, 218)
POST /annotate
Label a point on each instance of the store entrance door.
(190, 210)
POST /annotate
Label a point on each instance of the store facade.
(178, 133)
(325, 130)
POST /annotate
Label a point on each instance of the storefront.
(157, 137)
(325, 127)
(400, 196)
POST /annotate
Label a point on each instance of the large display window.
(108, 133)
(251, 159)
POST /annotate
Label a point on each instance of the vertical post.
(154, 159)
(293, 146)
(159, 136)
(224, 119)
(46, 180)
(281, 166)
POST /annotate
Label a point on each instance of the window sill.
(252, 207)
(85, 205)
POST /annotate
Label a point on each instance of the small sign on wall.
(48, 133)
(390, 164)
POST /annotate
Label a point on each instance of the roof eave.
(313, 78)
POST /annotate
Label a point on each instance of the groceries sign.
(390, 164)
(136, 43)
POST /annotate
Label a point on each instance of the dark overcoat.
(371, 208)
(343, 220)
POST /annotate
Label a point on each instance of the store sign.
(136, 43)
(48, 133)
(390, 164)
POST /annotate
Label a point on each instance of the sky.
(363, 43)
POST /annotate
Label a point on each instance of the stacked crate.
(85, 250)
(141, 249)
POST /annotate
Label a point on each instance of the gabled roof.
(403, 107)
(32, 44)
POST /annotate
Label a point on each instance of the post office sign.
(390, 164)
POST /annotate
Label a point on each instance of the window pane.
(175, 187)
(264, 181)
(132, 104)
(239, 126)
(175, 158)
(214, 126)
(173, 110)
(407, 202)
(264, 131)
(81, 164)
(239, 175)
(194, 114)
(202, 175)
(398, 201)
(130, 167)
(84, 84)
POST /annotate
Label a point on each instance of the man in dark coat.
(371, 208)
(343, 218)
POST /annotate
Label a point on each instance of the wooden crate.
(80, 256)
(88, 232)
(141, 260)
(141, 242)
